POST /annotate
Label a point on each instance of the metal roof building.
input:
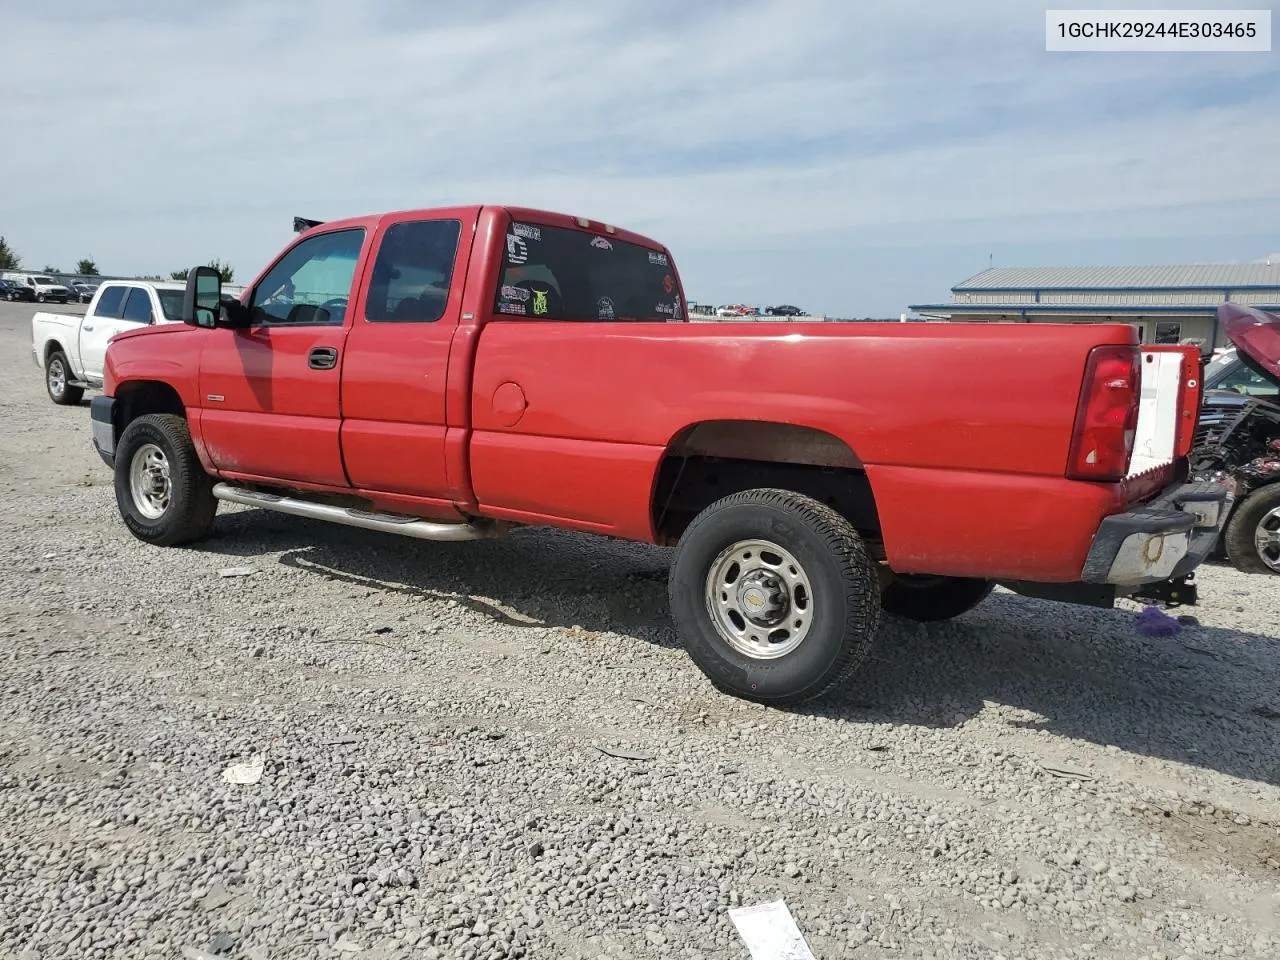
(1168, 304)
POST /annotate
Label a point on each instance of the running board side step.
(401, 524)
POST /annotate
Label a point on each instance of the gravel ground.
(1030, 781)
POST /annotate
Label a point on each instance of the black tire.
(842, 602)
(39, 298)
(930, 599)
(190, 508)
(57, 376)
(1260, 508)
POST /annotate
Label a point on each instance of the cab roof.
(549, 218)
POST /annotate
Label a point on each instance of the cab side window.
(137, 306)
(413, 271)
(109, 303)
(310, 284)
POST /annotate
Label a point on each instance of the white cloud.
(150, 140)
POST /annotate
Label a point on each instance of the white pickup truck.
(38, 287)
(71, 347)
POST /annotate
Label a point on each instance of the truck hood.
(1256, 335)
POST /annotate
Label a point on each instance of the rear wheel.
(774, 596)
(163, 494)
(928, 599)
(57, 380)
(1253, 533)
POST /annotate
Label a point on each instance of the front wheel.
(163, 494)
(927, 599)
(774, 596)
(1253, 534)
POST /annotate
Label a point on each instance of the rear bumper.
(1163, 539)
(102, 416)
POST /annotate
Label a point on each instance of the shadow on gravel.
(533, 577)
(1207, 697)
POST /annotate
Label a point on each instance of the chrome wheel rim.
(760, 599)
(149, 481)
(1266, 539)
(57, 377)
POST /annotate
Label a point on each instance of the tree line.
(9, 260)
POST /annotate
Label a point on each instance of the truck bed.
(968, 425)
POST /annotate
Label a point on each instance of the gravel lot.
(1030, 781)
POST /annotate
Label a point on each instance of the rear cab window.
(170, 303)
(560, 273)
(137, 306)
(413, 272)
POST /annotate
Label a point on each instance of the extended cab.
(452, 374)
(71, 347)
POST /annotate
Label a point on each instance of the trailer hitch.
(1174, 592)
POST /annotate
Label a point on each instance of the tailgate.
(1169, 408)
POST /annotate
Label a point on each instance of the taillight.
(1107, 416)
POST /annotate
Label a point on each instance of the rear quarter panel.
(963, 430)
(61, 329)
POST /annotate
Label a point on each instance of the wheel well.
(712, 460)
(49, 349)
(139, 398)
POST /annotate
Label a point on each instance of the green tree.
(224, 270)
(49, 269)
(9, 260)
(86, 268)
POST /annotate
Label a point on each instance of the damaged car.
(1237, 442)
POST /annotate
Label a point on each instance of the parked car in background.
(785, 310)
(13, 290)
(39, 287)
(1238, 438)
(70, 347)
(83, 291)
(449, 374)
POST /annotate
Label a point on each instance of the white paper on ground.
(770, 932)
(250, 772)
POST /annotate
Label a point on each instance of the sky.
(850, 158)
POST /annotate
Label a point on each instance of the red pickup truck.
(450, 374)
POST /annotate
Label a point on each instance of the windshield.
(171, 303)
(46, 281)
(1218, 365)
(557, 273)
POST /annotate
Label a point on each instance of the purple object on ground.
(1154, 622)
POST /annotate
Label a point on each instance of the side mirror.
(203, 297)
